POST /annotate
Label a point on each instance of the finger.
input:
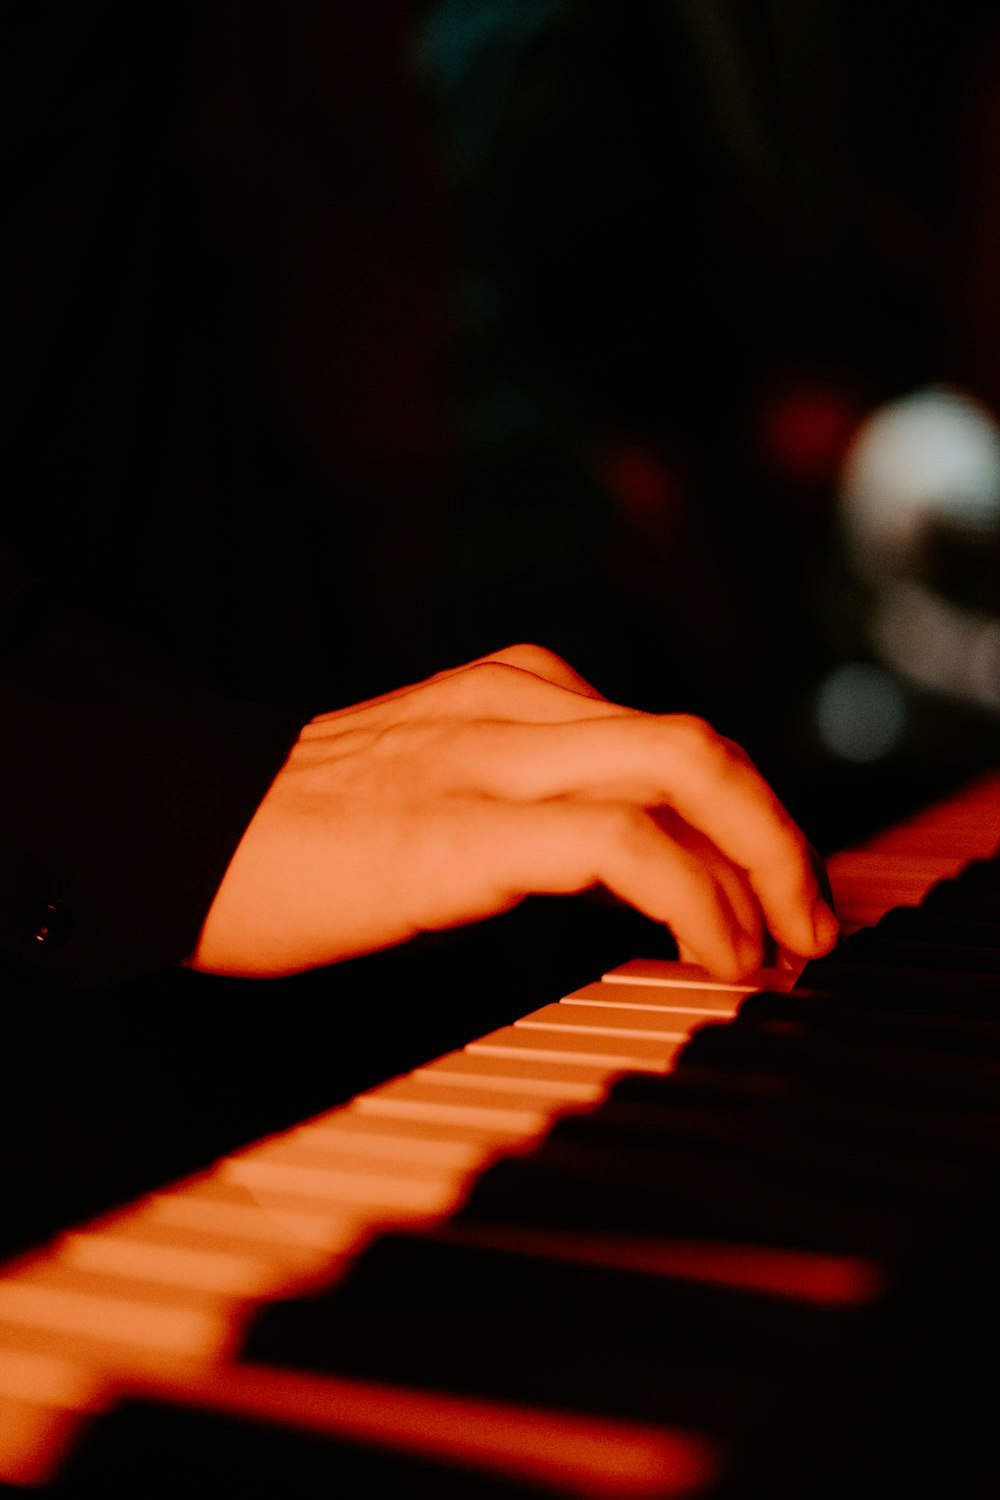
(681, 763)
(563, 847)
(733, 880)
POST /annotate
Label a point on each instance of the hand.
(453, 799)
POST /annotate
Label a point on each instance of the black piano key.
(895, 1021)
(830, 1105)
(881, 993)
(907, 1076)
(143, 1448)
(918, 924)
(433, 1311)
(955, 987)
(882, 950)
(973, 894)
(827, 1147)
(689, 1192)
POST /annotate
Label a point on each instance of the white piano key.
(558, 1080)
(47, 1379)
(410, 1098)
(34, 1439)
(299, 1151)
(388, 1151)
(677, 975)
(611, 1020)
(418, 1191)
(145, 1232)
(268, 1224)
(377, 1140)
(227, 1272)
(506, 1072)
(637, 1054)
(192, 1331)
(685, 999)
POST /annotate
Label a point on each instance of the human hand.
(453, 799)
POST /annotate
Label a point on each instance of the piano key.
(907, 1076)
(581, 1083)
(392, 1139)
(939, 1003)
(36, 1440)
(970, 902)
(602, 1340)
(333, 1146)
(898, 1026)
(768, 1132)
(504, 1071)
(421, 1190)
(679, 1193)
(139, 1238)
(246, 1457)
(915, 922)
(664, 998)
(831, 1102)
(614, 1020)
(843, 974)
(305, 1150)
(608, 1049)
(213, 1205)
(803, 1275)
(192, 1329)
(661, 973)
(873, 947)
(230, 1272)
(500, 1109)
(362, 1439)
(899, 1179)
(31, 1376)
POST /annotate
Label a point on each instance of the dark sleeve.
(129, 766)
(125, 786)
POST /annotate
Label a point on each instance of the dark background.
(348, 343)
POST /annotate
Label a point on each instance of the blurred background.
(730, 321)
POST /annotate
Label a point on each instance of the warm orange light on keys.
(586, 1457)
(639, 1054)
(34, 1439)
(153, 1297)
(673, 975)
(520, 1113)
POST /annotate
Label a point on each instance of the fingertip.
(745, 956)
(826, 928)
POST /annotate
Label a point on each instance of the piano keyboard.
(155, 1326)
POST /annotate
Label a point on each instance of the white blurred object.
(954, 651)
(931, 456)
(860, 712)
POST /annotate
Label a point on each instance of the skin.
(453, 799)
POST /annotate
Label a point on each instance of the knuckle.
(476, 686)
(530, 657)
(697, 736)
(494, 679)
